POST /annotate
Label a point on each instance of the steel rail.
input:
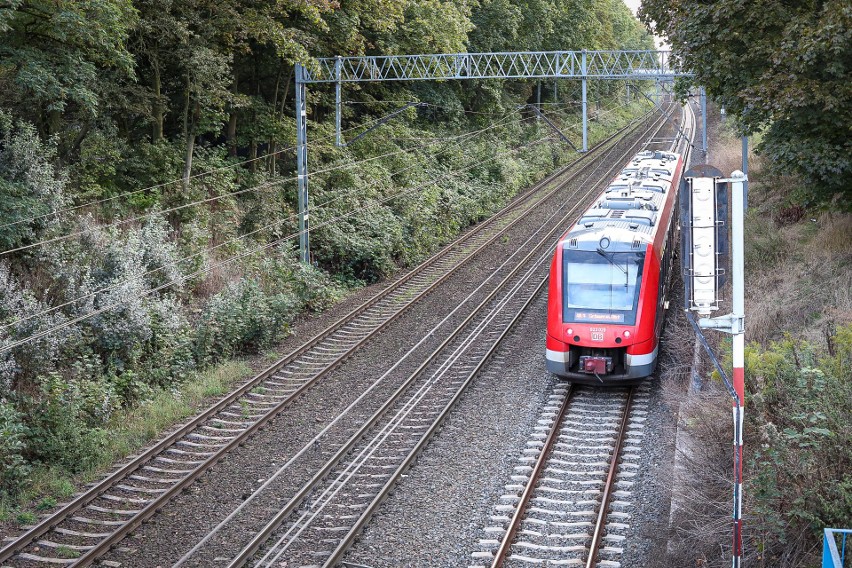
(365, 517)
(97, 550)
(47, 524)
(296, 500)
(279, 518)
(338, 553)
(517, 517)
(600, 522)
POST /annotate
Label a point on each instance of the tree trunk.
(231, 134)
(158, 109)
(186, 98)
(190, 147)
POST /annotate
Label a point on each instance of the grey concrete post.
(745, 171)
(704, 121)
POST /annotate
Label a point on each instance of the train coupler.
(595, 365)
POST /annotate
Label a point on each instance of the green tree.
(30, 187)
(52, 57)
(782, 67)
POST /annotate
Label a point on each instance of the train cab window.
(600, 286)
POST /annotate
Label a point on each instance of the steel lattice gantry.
(583, 65)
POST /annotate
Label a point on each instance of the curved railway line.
(322, 519)
(575, 475)
(100, 517)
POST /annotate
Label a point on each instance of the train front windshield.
(601, 287)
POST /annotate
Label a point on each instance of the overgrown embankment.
(797, 467)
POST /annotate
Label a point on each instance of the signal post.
(703, 255)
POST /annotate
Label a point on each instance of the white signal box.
(704, 281)
(704, 238)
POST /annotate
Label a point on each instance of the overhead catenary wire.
(262, 186)
(266, 247)
(241, 237)
(64, 210)
(314, 144)
(276, 223)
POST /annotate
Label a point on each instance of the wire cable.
(277, 222)
(262, 186)
(316, 143)
(68, 323)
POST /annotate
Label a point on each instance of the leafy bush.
(13, 435)
(114, 274)
(64, 422)
(242, 319)
(21, 316)
(799, 476)
(30, 185)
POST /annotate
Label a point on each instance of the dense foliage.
(147, 196)
(781, 67)
(800, 470)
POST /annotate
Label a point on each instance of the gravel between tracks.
(437, 514)
(179, 525)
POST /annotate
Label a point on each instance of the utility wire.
(222, 244)
(315, 143)
(262, 186)
(266, 247)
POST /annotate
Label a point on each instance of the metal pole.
(585, 106)
(337, 64)
(745, 172)
(738, 331)
(704, 121)
(538, 97)
(302, 163)
(628, 93)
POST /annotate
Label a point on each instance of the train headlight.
(627, 334)
(569, 332)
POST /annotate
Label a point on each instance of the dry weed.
(833, 239)
(218, 277)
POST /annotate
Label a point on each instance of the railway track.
(571, 491)
(570, 500)
(319, 521)
(85, 528)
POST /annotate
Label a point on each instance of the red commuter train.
(610, 276)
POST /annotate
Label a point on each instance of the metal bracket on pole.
(584, 71)
(302, 163)
(729, 323)
(550, 123)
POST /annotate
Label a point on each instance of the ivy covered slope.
(147, 194)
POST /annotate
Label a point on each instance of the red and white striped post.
(738, 181)
(734, 323)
